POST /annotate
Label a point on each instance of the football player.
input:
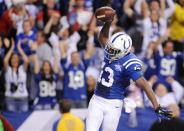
(118, 68)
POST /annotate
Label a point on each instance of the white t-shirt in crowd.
(166, 100)
(19, 79)
(153, 31)
(72, 45)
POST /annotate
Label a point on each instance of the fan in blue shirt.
(46, 81)
(27, 38)
(167, 62)
(75, 79)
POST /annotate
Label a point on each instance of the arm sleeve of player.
(134, 69)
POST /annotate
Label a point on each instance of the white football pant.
(103, 111)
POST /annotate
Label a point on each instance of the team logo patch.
(118, 67)
(137, 68)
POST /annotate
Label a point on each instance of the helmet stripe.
(116, 37)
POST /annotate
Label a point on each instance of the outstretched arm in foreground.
(161, 112)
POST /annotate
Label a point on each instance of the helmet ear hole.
(126, 45)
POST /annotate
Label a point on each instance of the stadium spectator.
(43, 48)
(69, 41)
(68, 121)
(92, 76)
(154, 27)
(133, 13)
(167, 62)
(177, 27)
(79, 17)
(53, 25)
(31, 8)
(96, 53)
(15, 76)
(161, 5)
(132, 21)
(149, 63)
(27, 38)
(5, 22)
(46, 81)
(4, 47)
(47, 11)
(18, 15)
(74, 78)
(168, 99)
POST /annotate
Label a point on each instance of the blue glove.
(163, 113)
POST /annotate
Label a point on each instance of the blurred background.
(50, 60)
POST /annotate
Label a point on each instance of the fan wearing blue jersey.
(118, 68)
(168, 62)
(75, 87)
(27, 38)
(46, 81)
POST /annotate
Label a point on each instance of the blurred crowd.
(49, 50)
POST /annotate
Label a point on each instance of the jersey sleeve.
(134, 69)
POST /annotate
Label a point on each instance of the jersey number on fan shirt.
(47, 89)
(76, 79)
(109, 82)
(168, 67)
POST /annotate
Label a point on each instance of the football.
(105, 14)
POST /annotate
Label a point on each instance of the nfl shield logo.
(118, 67)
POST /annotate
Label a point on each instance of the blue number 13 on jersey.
(110, 78)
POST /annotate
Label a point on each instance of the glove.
(163, 113)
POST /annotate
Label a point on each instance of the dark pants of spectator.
(17, 104)
(165, 125)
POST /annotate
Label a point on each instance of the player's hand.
(163, 113)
